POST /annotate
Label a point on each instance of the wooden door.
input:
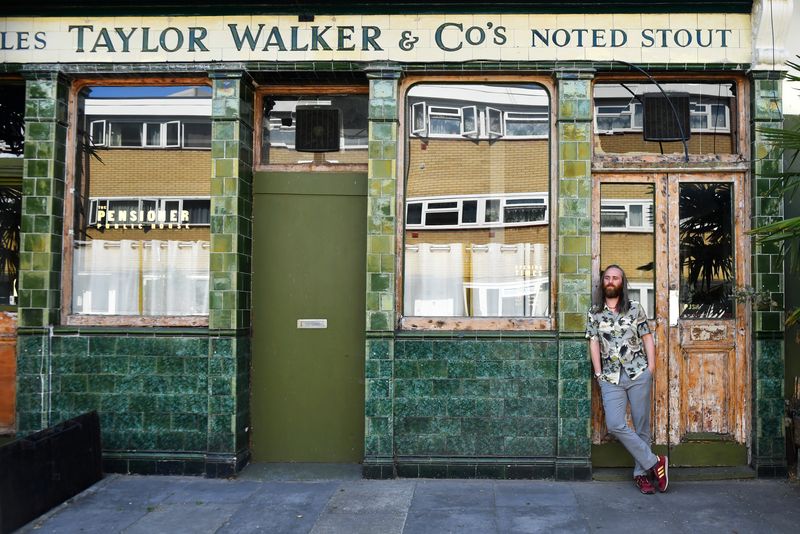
(682, 237)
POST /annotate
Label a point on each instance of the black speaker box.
(317, 128)
(661, 122)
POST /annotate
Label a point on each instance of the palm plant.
(706, 247)
(786, 233)
(10, 209)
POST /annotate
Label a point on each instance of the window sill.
(473, 323)
(316, 167)
(135, 320)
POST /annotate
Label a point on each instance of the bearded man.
(623, 356)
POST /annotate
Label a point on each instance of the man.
(624, 359)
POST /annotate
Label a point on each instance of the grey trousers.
(616, 397)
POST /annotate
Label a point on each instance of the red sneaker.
(644, 485)
(660, 471)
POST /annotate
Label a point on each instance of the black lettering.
(700, 38)
(545, 39)
(39, 38)
(500, 36)
(614, 34)
(238, 40)
(196, 36)
(481, 35)
(438, 36)
(295, 46)
(317, 38)
(126, 39)
(80, 29)
(274, 39)
(106, 42)
(564, 33)
(598, 38)
(580, 32)
(687, 40)
(178, 39)
(664, 33)
(146, 41)
(724, 35)
(647, 38)
(345, 35)
(369, 34)
(22, 40)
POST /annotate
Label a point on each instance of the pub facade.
(371, 236)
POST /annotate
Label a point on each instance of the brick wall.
(628, 250)
(464, 167)
(285, 156)
(142, 172)
(633, 142)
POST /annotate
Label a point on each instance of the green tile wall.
(380, 297)
(169, 396)
(769, 456)
(231, 200)
(574, 269)
(46, 96)
(574, 198)
(457, 398)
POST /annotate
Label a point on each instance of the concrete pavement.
(334, 499)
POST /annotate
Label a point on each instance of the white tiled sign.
(667, 38)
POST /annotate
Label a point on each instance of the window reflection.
(620, 121)
(706, 250)
(142, 201)
(627, 238)
(323, 129)
(477, 207)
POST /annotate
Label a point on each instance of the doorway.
(309, 276)
(680, 239)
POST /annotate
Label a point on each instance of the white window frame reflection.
(649, 292)
(624, 207)
(429, 205)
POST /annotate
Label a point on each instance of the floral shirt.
(620, 338)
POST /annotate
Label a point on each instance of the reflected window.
(477, 209)
(620, 118)
(627, 238)
(321, 129)
(142, 217)
(706, 250)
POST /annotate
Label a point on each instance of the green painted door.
(309, 275)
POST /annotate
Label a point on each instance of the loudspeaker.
(317, 129)
(659, 119)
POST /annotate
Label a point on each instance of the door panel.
(709, 356)
(308, 263)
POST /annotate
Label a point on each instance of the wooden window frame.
(424, 323)
(738, 161)
(68, 236)
(291, 90)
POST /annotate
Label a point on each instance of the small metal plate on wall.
(312, 323)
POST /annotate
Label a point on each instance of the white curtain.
(105, 277)
(434, 277)
(509, 280)
(175, 275)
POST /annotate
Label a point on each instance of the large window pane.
(706, 250)
(619, 119)
(142, 216)
(627, 238)
(281, 129)
(477, 201)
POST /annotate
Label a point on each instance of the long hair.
(599, 297)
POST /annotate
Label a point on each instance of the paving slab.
(172, 504)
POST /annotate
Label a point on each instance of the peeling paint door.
(681, 240)
(708, 376)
